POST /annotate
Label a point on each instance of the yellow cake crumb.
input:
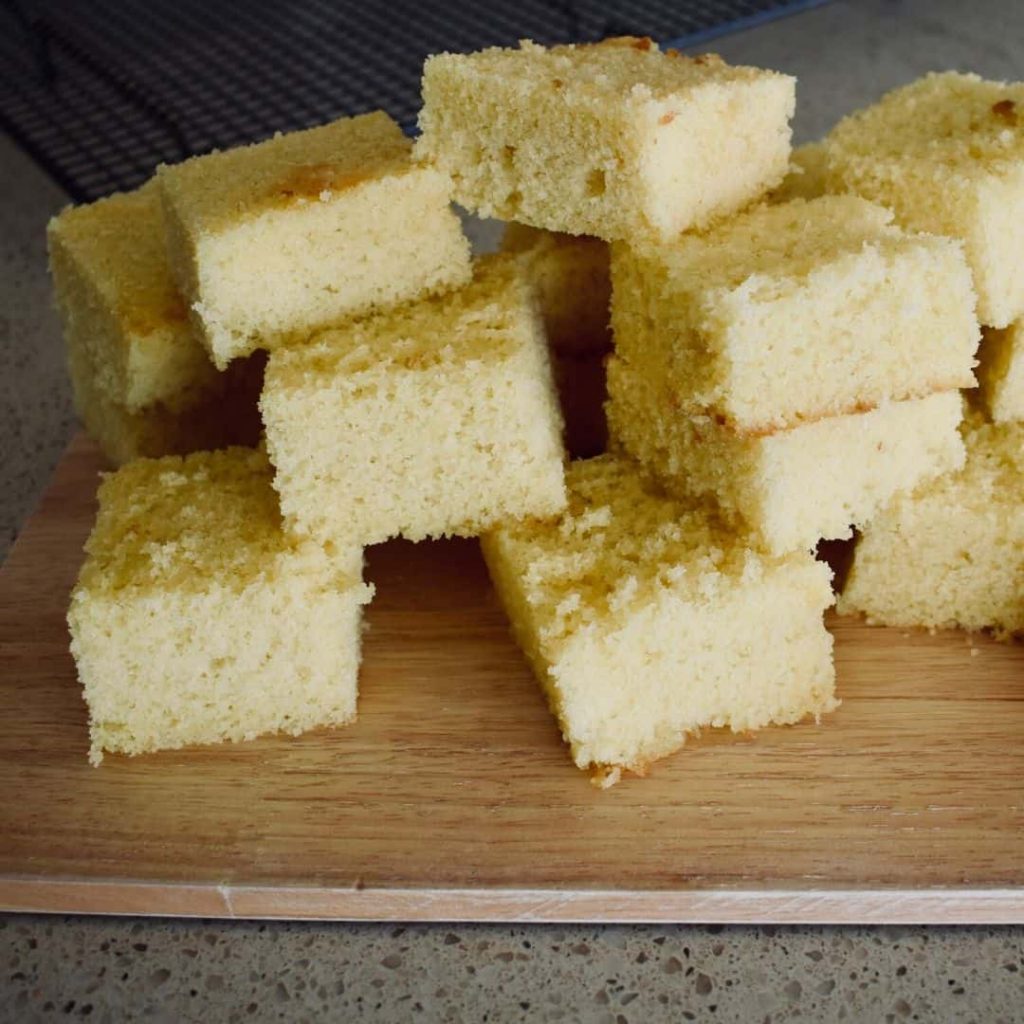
(196, 618)
(119, 306)
(790, 488)
(952, 552)
(647, 620)
(791, 312)
(617, 140)
(434, 419)
(946, 153)
(274, 240)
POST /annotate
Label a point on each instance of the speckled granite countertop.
(845, 55)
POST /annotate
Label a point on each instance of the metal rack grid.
(101, 92)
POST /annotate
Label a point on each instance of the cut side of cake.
(271, 241)
(647, 620)
(570, 277)
(120, 307)
(791, 488)
(792, 312)
(196, 618)
(946, 153)
(952, 552)
(1001, 372)
(435, 419)
(614, 139)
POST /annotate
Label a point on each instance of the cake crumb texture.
(119, 305)
(950, 554)
(646, 619)
(946, 153)
(613, 139)
(435, 419)
(791, 312)
(197, 619)
(271, 241)
(789, 488)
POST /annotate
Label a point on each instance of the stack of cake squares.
(946, 154)
(785, 356)
(142, 383)
(645, 614)
(407, 393)
(798, 363)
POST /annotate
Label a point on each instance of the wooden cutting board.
(453, 798)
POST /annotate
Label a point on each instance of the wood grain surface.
(453, 797)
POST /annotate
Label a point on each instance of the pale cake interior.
(197, 619)
(950, 554)
(790, 488)
(616, 140)
(254, 233)
(946, 154)
(647, 620)
(792, 312)
(445, 413)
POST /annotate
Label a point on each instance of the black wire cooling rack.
(101, 91)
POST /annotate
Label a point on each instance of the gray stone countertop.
(845, 55)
